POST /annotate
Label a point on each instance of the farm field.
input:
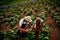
(49, 11)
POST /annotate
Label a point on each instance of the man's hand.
(26, 26)
(23, 30)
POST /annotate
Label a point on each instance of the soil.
(54, 29)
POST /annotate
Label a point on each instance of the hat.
(28, 18)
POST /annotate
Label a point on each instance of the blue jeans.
(21, 34)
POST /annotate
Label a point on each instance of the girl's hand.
(34, 26)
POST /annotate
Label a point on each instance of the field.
(49, 12)
(7, 2)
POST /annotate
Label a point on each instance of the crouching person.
(37, 24)
(23, 25)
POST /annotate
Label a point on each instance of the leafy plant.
(29, 36)
(44, 34)
(10, 35)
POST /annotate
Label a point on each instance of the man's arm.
(27, 25)
(22, 30)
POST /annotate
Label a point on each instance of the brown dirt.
(54, 30)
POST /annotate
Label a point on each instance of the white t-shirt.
(22, 22)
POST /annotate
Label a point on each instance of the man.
(23, 25)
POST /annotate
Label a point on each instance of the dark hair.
(38, 22)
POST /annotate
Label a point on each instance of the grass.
(7, 2)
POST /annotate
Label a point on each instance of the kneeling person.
(23, 25)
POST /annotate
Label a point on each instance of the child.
(37, 24)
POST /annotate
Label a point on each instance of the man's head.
(27, 19)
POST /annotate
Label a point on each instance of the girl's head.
(38, 20)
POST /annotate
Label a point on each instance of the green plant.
(9, 35)
(44, 34)
(29, 36)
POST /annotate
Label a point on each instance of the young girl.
(37, 24)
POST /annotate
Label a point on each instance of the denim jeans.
(21, 34)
